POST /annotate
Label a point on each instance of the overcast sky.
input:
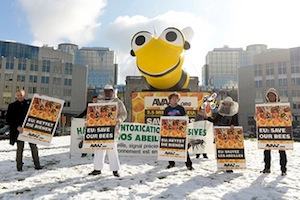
(112, 23)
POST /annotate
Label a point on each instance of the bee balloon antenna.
(154, 31)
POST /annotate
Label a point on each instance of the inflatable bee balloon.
(160, 59)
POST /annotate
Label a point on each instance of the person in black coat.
(227, 115)
(15, 116)
(174, 109)
(83, 114)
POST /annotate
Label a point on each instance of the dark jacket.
(221, 120)
(15, 116)
(83, 114)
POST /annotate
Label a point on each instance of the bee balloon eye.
(173, 36)
(140, 39)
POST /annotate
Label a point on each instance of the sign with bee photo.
(274, 126)
(201, 137)
(41, 119)
(173, 138)
(230, 148)
(100, 126)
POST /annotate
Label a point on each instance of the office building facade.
(100, 61)
(41, 70)
(221, 67)
(277, 68)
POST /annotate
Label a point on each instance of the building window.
(45, 79)
(22, 66)
(283, 93)
(295, 81)
(67, 92)
(34, 67)
(21, 78)
(44, 90)
(282, 82)
(56, 91)
(46, 66)
(68, 81)
(269, 69)
(9, 65)
(281, 68)
(56, 80)
(31, 89)
(257, 70)
(33, 78)
(270, 83)
(258, 84)
(295, 69)
(8, 77)
(68, 69)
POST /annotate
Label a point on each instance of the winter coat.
(15, 116)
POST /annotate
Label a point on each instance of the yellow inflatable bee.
(160, 59)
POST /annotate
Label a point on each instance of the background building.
(100, 61)
(221, 67)
(277, 68)
(41, 70)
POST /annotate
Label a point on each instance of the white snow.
(144, 177)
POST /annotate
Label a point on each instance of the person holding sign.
(271, 96)
(174, 109)
(83, 114)
(227, 115)
(200, 116)
(15, 116)
(114, 163)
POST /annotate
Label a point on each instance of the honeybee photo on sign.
(100, 126)
(41, 119)
(173, 138)
(201, 137)
(230, 148)
(274, 126)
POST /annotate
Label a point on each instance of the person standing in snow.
(200, 116)
(271, 96)
(83, 114)
(174, 109)
(15, 117)
(227, 115)
(99, 155)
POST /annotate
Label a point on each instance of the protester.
(174, 109)
(15, 117)
(114, 163)
(200, 116)
(227, 115)
(83, 114)
(271, 96)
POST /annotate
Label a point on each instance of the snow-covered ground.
(144, 177)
